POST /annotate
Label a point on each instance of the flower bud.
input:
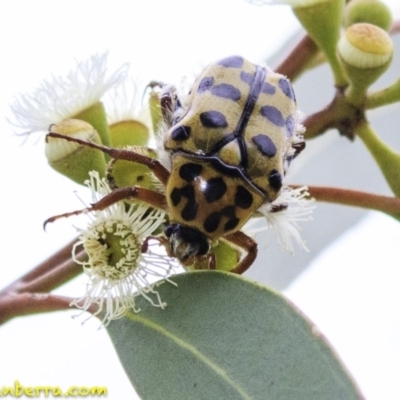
(96, 116)
(226, 257)
(374, 12)
(127, 173)
(366, 52)
(129, 133)
(71, 159)
(322, 21)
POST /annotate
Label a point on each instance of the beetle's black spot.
(267, 88)
(175, 196)
(286, 88)
(289, 126)
(243, 198)
(226, 91)
(228, 211)
(264, 144)
(232, 62)
(273, 115)
(190, 171)
(212, 221)
(231, 224)
(205, 84)
(189, 212)
(247, 77)
(188, 192)
(181, 133)
(215, 189)
(213, 119)
(275, 179)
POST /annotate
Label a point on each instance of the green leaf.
(224, 337)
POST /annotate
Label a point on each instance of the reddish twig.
(388, 205)
(19, 304)
(27, 295)
(298, 58)
(60, 257)
(395, 27)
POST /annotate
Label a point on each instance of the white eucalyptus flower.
(64, 97)
(117, 268)
(125, 103)
(284, 223)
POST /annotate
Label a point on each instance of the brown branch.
(56, 277)
(339, 114)
(298, 58)
(19, 304)
(319, 122)
(60, 257)
(27, 295)
(388, 205)
(395, 27)
(60, 262)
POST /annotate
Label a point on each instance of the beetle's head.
(186, 243)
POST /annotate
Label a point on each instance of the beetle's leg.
(210, 257)
(150, 197)
(162, 240)
(211, 261)
(279, 207)
(171, 106)
(120, 154)
(245, 242)
(109, 176)
(298, 146)
(167, 104)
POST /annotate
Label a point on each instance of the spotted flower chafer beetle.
(224, 154)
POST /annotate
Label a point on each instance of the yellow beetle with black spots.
(227, 149)
(230, 147)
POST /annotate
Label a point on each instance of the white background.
(164, 40)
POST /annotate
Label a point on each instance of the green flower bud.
(96, 116)
(129, 133)
(226, 257)
(127, 173)
(322, 21)
(366, 52)
(371, 11)
(71, 159)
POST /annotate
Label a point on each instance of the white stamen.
(63, 97)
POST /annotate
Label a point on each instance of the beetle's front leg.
(245, 242)
(171, 106)
(121, 154)
(150, 197)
